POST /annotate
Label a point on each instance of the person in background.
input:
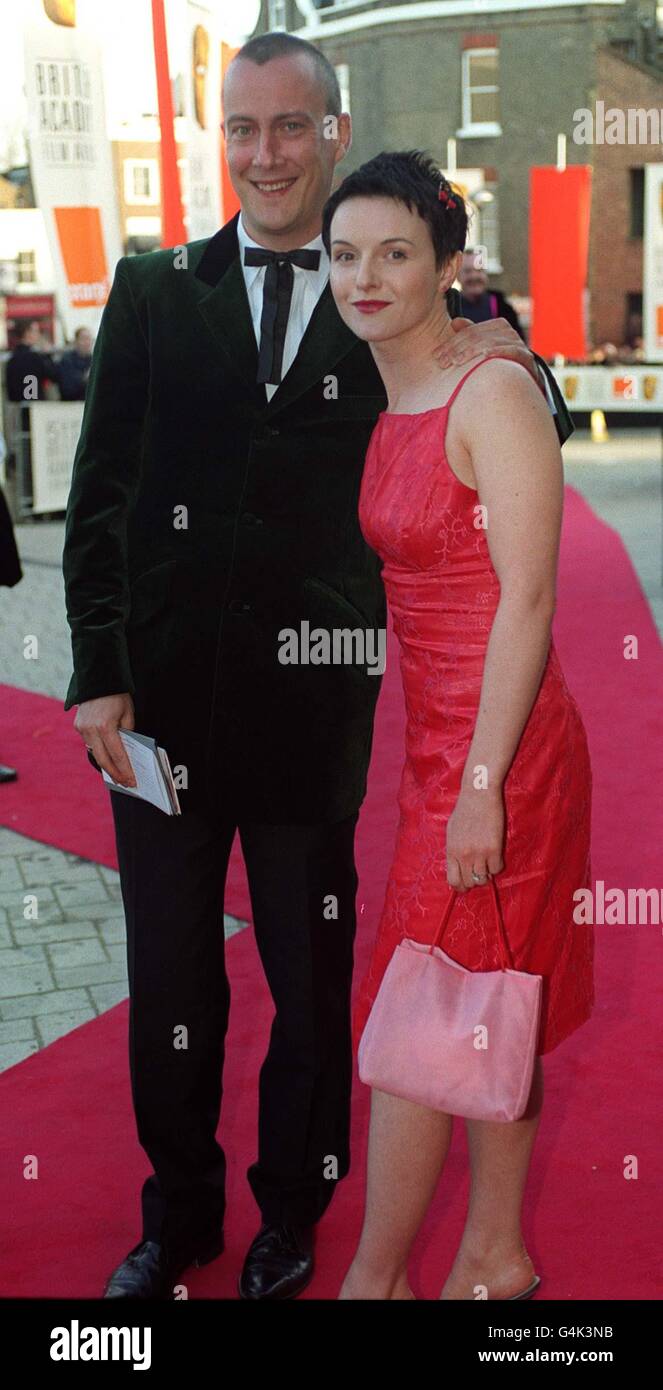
(478, 302)
(27, 361)
(10, 573)
(633, 349)
(606, 355)
(75, 366)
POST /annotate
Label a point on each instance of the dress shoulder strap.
(480, 363)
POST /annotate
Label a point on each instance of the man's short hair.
(278, 45)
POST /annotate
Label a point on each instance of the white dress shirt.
(306, 290)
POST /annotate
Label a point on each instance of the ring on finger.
(478, 878)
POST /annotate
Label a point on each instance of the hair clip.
(445, 196)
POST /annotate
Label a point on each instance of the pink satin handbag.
(458, 1040)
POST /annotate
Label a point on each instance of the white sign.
(55, 427)
(71, 166)
(652, 287)
(622, 387)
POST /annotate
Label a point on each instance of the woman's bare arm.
(505, 427)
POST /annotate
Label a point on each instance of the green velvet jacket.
(204, 520)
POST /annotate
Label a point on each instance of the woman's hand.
(475, 836)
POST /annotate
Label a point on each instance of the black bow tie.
(259, 255)
(277, 294)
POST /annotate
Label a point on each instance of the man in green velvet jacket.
(210, 511)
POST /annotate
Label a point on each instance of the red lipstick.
(370, 306)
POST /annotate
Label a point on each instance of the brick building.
(137, 171)
(615, 260)
(503, 78)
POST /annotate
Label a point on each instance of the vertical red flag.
(229, 199)
(560, 202)
(172, 218)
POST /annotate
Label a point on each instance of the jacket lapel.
(225, 308)
(326, 340)
(227, 314)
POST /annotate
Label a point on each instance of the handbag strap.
(506, 959)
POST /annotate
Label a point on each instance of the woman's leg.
(492, 1252)
(407, 1147)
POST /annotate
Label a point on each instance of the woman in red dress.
(462, 498)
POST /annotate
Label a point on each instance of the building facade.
(136, 154)
(502, 79)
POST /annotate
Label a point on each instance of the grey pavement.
(62, 943)
(62, 934)
(622, 481)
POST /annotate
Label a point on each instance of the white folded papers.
(154, 779)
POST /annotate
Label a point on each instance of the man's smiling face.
(280, 163)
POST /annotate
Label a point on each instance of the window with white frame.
(26, 268)
(342, 71)
(276, 15)
(141, 181)
(480, 92)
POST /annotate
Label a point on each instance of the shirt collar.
(251, 271)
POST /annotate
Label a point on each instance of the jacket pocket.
(332, 596)
(150, 592)
(329, 610)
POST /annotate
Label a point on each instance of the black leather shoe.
(147, 1272)
(279, 1263)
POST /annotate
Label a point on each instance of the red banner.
(560, 203)
(172, 216)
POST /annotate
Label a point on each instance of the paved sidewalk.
(68, 964)
(623, 482)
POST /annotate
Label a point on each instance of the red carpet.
(591, 1231)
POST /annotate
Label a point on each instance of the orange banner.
(560, 203)
(83, 255)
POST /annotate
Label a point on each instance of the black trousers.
(303, 882)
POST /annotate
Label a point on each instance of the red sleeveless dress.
(443, 593)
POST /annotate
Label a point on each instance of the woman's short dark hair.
(411, 177)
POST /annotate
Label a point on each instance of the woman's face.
(383, 275)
